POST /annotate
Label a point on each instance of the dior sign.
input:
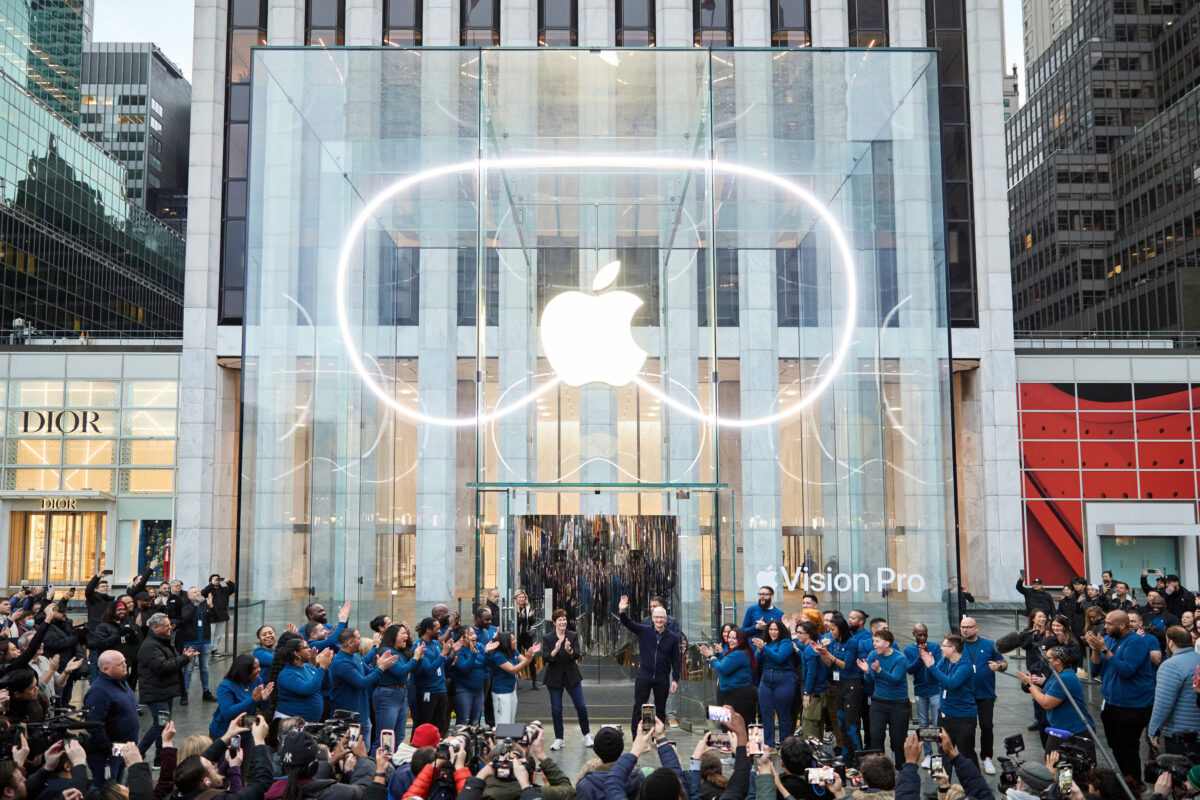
(66, 421)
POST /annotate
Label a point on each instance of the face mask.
(28, 623)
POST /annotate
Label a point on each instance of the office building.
(79, 259)
(1102, 202)
(1042, 22)
(137, 105)
(1011, 93)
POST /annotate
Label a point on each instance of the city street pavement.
(1014, 709)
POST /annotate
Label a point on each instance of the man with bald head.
(659, 661)
(985, 661)
(1122, 660)
(112, 703)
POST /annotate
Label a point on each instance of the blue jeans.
(205, 648)
(468, 705)
(927, 715)
(391, 712)
(576, 693)
(776, 691)
(154, 735)
(93, 667)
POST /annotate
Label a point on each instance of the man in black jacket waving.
(160, 670)
(1036, 597)
(659, 661)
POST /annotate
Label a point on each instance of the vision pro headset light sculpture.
(545, 164)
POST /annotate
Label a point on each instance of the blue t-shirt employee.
(1048, 693)
(985, 661)
(953, 674)
(755, 622)
(1122, 660)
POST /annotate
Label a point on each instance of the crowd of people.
(322, 709)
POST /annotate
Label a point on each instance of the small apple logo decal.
(588, 338)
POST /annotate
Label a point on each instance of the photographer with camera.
(445, 776)
(1175, 708)
(908, 780)
(112, 703)
(64, 766)
(509, 773)
(196, 777)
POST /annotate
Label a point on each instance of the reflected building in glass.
(674, 319)
(78, 259)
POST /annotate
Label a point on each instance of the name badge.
(975, 668)
(837, 675)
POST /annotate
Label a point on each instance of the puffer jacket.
(590, 784)
(328, 788)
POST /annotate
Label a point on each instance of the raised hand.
(344, 612)
(623, 605)
(267, 689)
(927, 658)
(419, 651)
(191, 652)
(490, 646)
(168, 735)
(533, 651)
(862, 664)
(325, 658)
(567, 645)
(386, 660)
(706, 651)
(74, 664)
(757, 642)
(291, 628)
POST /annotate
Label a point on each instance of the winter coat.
(590, 784)
(160, 670)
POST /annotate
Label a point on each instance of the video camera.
(60, 725)
(507, 736)
(825, 755)
(330, 732)
(1075, 757)
(1178, 764)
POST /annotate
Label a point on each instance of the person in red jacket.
(425, 785)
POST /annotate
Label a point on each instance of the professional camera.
(1178, 766)
(476, 740)
(1010, 762)
(60, 725)
(330, 732)
(824, 755)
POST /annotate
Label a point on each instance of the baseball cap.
(1172, 579)
(298, 749)
(426, 735)
(608, 745)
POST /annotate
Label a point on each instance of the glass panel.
(88, 451)
(148, 423)
(39, 394)
(87, 480)
(83, 394)
(33, 452)
(148, 453)
(151, 394)
(33, 480)
(35, 569)
(632, 202)
(147, 481)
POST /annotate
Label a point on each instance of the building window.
(467, 285)
(399, 284)
(712, 21)
(325, 23)
(558, 23)
(635, 23)
(791, 23)
(131, 119)
(480, 23)
(247, 29)
(868, 23)
(402, 23)
(727, 288)
(796, 278)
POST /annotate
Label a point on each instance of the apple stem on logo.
(589, 338)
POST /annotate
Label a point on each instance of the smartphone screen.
(647, 716)
(854, 778)
(719, 714)
(1064, 781)
(387, 740)
(935, 765)
(754, 740)
(355, 732)
(116, 749)
(163, 718)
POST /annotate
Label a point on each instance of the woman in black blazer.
(561, 651)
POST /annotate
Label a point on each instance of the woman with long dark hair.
(298, 678)
(834, 649)
(242, 692)
(506, 662)
(735, 667)
(265, 652)
(1031, 640)
(563, 651)
(779, 656)
(1063, 635)
(390, 698)
(470, 666)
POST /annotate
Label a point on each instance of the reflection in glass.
(480, 21)
(712, 21)
(558, 23)
(791, 23)
(402, 23)
(635, 23)
(868, 23)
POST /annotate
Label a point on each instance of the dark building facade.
(1102, 214)
(76, 257)
(136, 104)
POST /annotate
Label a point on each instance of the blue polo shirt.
(755, 613)
(842, 651)
(891, 682)
(978, 653)
(923, 684)
(1063, 715)
(1126, 677)
(733, 670)
(816, 672)
(778, 655)
(352, 683)
(861, 645)
(429, 673)
(503, 682)
(958, 694)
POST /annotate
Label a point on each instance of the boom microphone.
(1008, 642)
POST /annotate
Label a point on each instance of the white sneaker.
(588, 741)
(926, 763)
(558, 744)
(989, 767)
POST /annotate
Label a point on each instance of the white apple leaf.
(607, 274)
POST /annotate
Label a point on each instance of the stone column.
(201, 545)
(907, 23)
(364, 23)
(285, 23)
(597, 23)
(995, 550)
(830, 23)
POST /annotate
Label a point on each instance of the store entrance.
(55, 547)
(584, 563)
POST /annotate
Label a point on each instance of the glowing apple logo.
(589, 338)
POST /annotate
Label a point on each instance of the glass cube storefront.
(592, 323)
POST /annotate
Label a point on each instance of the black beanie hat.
(608, 745)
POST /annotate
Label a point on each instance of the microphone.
(1008, 642)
